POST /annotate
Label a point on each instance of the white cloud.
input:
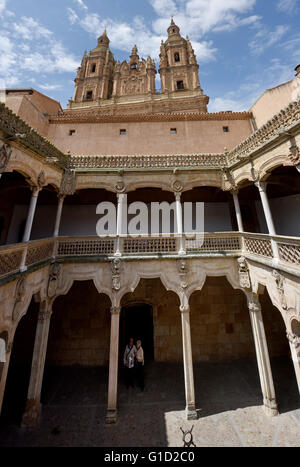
(2, 6)
(72, 15)
(81, 4)
(287, 6)
(28, 28)
(50, 87)
(265, 38)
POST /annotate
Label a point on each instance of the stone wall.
(220, 324)
(80, 328)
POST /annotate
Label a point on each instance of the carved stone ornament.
(244, 275)
(5, 153)
(293, 339)
(116, 269)
(254, 306)
(19, 297)
(279, 279)
(54, 276)
(183, 271)
(120, 186)
(41, 179)
(68, 183)
(294, 153)
(228, 182)
(177, 186)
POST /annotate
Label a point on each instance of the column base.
(270, 408)
(31, 415)
(111, 416)
(191, 413)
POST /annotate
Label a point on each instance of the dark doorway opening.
(18, 376)
(137, 322)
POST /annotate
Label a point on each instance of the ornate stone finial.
(134, 50)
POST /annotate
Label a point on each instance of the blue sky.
(243, 46)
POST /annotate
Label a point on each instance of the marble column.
(33, 405)
(122, 199)
(31, 213)
(262, 187)
(188, 364)
(263, 359)
(112, 410)
(58, 215)
(238, 211)
(179, 223)
(294, 342)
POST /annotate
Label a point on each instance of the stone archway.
(137, 321)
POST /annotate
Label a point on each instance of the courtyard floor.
(227, 394)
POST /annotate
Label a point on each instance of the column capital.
(261, 186)
(35, 190)
(45, 311)
(293, 339)
(177, 195)
(115, 310)
(254, 306)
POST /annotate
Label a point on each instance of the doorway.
(137, 322)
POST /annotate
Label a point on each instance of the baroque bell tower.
(94, 77)
(179, 70)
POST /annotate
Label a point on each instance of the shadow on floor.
(74, 403)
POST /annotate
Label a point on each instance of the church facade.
(71, 297)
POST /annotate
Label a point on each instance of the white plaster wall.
(82, 220)
(286, 214)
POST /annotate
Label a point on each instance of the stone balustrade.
(20, 257)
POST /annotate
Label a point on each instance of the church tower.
(179, 70)
(94, 81)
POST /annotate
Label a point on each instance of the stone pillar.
(188, 364)
(121, 200)
(179, 223)
(112, 410)
(262, 187)
(238, 211)
(3, 377)
(263, 359)
(58, 215)
(294, 342)
(31, 213)
(33, 405)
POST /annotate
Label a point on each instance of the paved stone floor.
(228, 394)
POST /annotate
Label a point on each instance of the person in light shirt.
(140, 362)
(129, 362)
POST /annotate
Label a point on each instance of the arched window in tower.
(177, 57)
(93, 68)
(89, 95)
(133, 66)
(180, 85)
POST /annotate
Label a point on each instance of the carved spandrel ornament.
(42, 179)
(68, 183)
(5, 154)
(116, 271)
(120, 186)
(294, 340)
(244, 275)
(183, 270)
(19, 298)
(294, 155)
(54, 275)
(177, 186)
(279, 279)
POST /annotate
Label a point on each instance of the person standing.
(140, 362)
(129, 361)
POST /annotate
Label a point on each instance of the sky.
(243, 47)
